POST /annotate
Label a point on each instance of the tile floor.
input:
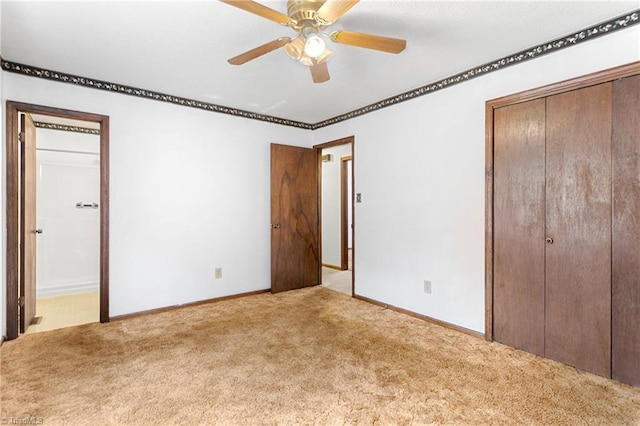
(337, 280)
(66, 311)
(334, 279)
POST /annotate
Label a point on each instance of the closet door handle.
(549, 240)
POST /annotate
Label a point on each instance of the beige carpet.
(310, 356)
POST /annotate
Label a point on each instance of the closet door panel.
(626, 231)
(519, 215)
(578, 206)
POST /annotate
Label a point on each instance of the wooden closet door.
(625, 345)
(578, 197)
(519, 215)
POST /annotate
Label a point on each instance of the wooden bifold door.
(566, 227)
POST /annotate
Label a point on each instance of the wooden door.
(295, 257)
(519, 225)
(578, 206)
(625, 316)
(27, 222)
(346, 204)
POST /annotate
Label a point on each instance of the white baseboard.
(72, 288)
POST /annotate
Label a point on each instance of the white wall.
(189, 191)
(420, 168)
(67, 141)
(68, 250)
(331, 218)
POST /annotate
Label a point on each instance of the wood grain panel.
(295, 259)
(578, 263)
(519, 225)
(625, 292)
(28, 236)
(104, 218)
(345, 201)
(13, 222)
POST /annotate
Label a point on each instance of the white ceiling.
(181, 47)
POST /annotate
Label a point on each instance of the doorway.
(35, 171)
(336, 210)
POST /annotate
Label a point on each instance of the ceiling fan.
(309, 18)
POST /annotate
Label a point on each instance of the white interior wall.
(189, 192)
(331, 218)
(420, 168)
(67, 141)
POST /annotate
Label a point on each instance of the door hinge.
(21, 301)
(21, 137)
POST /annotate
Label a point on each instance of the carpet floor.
(311, 356)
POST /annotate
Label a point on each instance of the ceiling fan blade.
(369, 41)
(320, 72)
(259, 51)
(331, 10)
(261, 10)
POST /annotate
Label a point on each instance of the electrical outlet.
(427, 287)
(218, 273)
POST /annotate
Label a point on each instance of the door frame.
(344, 210)
(342, 141)
(13, 171)
(528, 95)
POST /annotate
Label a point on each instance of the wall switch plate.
(427, 287)
(358, 197)
(218, 273)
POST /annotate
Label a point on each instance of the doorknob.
(276, 226)
(38, 231)
(549, 240)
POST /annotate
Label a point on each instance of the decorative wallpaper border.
(608, 27)
(66, 128)
(142, 93)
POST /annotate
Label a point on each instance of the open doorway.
(336, 209)
(57, 218)
(67, 223)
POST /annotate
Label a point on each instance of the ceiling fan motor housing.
(304, 11)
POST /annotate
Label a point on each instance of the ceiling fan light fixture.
(306, 60)
(295, 49)
(324, 56)
(314, 46)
